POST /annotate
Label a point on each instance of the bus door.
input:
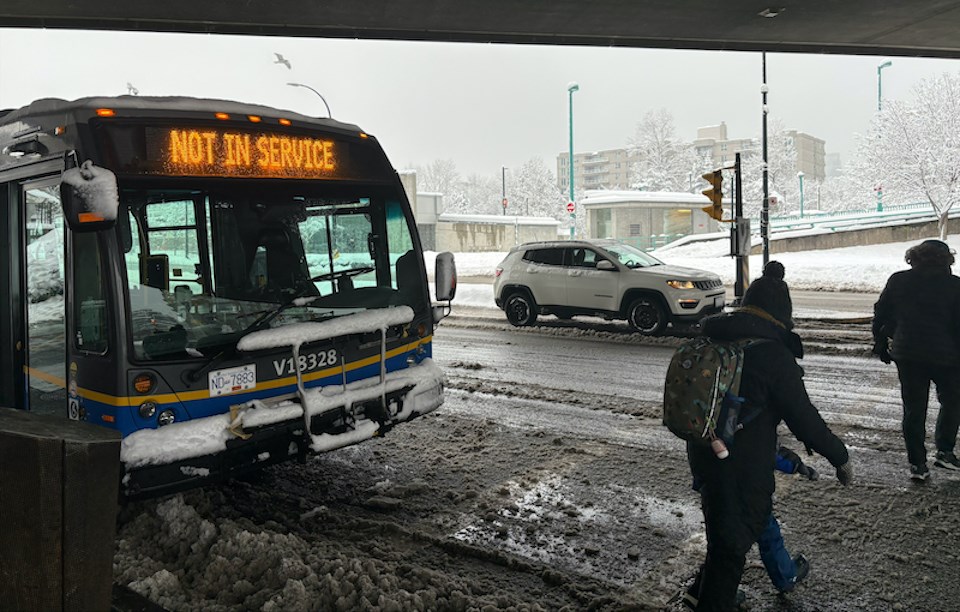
(41, 227)
(11, 306)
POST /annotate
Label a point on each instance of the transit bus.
(227, 285)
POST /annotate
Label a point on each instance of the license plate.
(719, 301)
(232, 380)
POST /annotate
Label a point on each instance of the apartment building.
(608, 169)
(712, 142)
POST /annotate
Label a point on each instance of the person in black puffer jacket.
(736, 494)
(919, 310)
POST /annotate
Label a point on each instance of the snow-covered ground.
(536, 492)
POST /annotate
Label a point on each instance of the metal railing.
(651, 242)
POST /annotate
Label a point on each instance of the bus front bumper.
(260, 433)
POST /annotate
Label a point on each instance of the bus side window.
(89, 297)
(131, 255)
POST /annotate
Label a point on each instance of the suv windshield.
(202, 265)
(630, 256)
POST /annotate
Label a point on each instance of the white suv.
(605, 278)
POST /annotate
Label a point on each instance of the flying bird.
(133, 91)
(282, 60)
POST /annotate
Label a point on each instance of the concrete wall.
(482, 237)
(907, 232)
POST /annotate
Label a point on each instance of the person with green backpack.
(738, 484)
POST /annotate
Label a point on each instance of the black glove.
(790, 456)
(845, 473)
(881, 350)
(805, 470)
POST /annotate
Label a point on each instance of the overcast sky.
(484, 106)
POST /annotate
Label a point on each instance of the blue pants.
(779, 563)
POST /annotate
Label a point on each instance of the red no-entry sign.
(570, 207)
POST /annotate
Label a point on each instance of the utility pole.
(503, 174)
(740, 237)
(765, 208)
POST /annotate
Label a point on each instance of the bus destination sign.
(230, 152)
(213, 152)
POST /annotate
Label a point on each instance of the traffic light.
(714, 194)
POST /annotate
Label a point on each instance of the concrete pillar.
(59, 482)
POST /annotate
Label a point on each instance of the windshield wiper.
(269, 315)
(298, 299)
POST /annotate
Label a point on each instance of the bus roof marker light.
(105, 112)
(254, 118)
(362, 135)
(89, 217)
(222, 116)
(285, 121)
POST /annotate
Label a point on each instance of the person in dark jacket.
(916, 323)
(784, 570)
(737, 492)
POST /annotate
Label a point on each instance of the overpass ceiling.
(928, 28)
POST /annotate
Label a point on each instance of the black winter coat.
(772, 382)
(920, 310)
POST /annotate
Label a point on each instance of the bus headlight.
(167, 417)
(148, 409)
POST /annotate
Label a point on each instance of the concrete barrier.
(905, 231)
(59, 484)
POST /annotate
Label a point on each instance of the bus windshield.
(203, 265)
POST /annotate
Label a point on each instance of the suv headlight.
(681, 284)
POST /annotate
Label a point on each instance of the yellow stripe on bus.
(167, 398)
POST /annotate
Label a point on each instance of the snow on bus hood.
(678, 272)
(300, 333)
(208, 436)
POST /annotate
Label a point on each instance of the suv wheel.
(520, 309)
(646, 315)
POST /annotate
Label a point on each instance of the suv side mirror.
(90, 197)
(606, 264)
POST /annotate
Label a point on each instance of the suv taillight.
(497, 272)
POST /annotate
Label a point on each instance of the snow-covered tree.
(664, 162)
(481, 194)
(914, 148)
(532, 190)
(441, 176)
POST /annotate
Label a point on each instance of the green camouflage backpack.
(701, 401)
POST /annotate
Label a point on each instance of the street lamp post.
(800, 177)
(329, 114)
(880, 68)
(572, 87)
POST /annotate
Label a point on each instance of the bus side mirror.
(445, 279)
(90, 197)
